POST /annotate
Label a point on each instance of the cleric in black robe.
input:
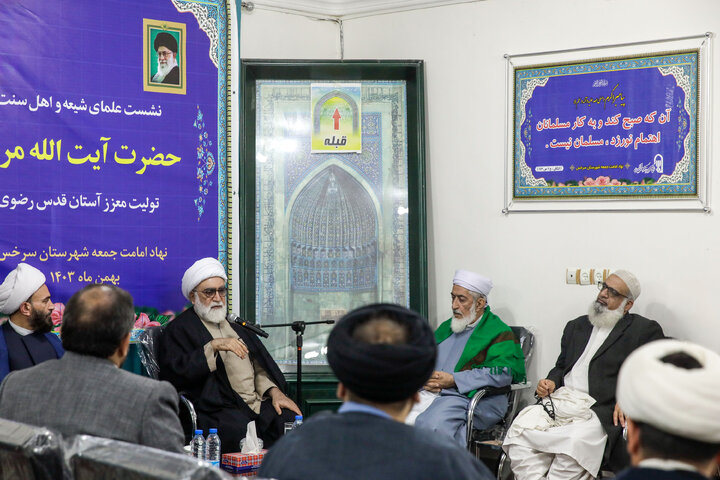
(222, 368)
(168, 71)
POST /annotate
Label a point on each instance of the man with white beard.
(578, 419)
(168, 71)
(475, 349)
(222, 368)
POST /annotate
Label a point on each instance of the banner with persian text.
(624, 127)
(113, 142)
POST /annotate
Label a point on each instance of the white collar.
(19, 330)
(666, 464)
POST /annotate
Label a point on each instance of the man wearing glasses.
(223, 369)
(168, 71)
(592, 349)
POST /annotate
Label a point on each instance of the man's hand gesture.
(280, 401)
(545, 387)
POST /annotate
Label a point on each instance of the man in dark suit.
(592, 349)
(25, 339)
(86, 391)
(670, 391)
(381, 354)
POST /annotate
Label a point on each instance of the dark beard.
(39, 322)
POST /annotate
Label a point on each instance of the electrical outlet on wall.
(598, 275)
(585, 277)
(571, 276)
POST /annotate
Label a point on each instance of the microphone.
(253, 328)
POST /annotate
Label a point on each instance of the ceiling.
(349, 8)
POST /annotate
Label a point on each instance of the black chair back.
(32, 453)
(148, 341)
(94, 457)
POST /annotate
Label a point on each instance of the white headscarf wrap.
(199, 272)
(473, 282)
(631, 281)
(19, 285)
(676, 400)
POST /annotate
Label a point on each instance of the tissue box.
(242, 462)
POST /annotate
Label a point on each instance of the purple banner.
(113, 143)
(621, 127)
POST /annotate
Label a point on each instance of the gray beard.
(458, 325)
(600, 316)
(164, 70)
(209, 314)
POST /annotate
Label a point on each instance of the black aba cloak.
(182, 362)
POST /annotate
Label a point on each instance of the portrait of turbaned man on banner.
(164, 57)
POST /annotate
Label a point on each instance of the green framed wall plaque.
(325, 232)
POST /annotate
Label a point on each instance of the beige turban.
(680, 401)
(19, 285)
(199, 272)
(631, 281)
(473, 282)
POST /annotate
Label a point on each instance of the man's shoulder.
(640, 321)
(187, 318)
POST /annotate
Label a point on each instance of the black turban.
(382, 372)
(164, 39)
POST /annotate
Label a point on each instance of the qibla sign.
(336, 114)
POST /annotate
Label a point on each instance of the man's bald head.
(97, 319)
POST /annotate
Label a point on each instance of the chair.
(486, 445)
(30, 452)
(148, 341)
(94, 457)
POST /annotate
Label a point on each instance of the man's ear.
(341, 391)
(124, 347)
(633, 438)
(628, 306)
(25, 309)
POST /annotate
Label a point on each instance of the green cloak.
(492, 344)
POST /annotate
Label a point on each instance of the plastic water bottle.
(197, 445)
(212, 448)
(297, 422)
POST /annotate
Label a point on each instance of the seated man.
(475, 349)
(25, 339)
(381, 354)
(670, 394)
(222, 368)
(591, 351)
(86, 391)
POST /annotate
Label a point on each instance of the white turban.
(199, 272)
(631, 281)
(676, 400)
(473, 282)
(19, 285)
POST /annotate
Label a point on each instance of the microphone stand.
(299, 329)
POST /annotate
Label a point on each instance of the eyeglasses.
(164, 54)
(210, 292)
(611, 291)
(548, 406)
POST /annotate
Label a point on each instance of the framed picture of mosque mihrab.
(332, 195)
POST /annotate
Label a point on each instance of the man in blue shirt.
(25, 339)
(381, 354)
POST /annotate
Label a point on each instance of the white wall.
(675, 255)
